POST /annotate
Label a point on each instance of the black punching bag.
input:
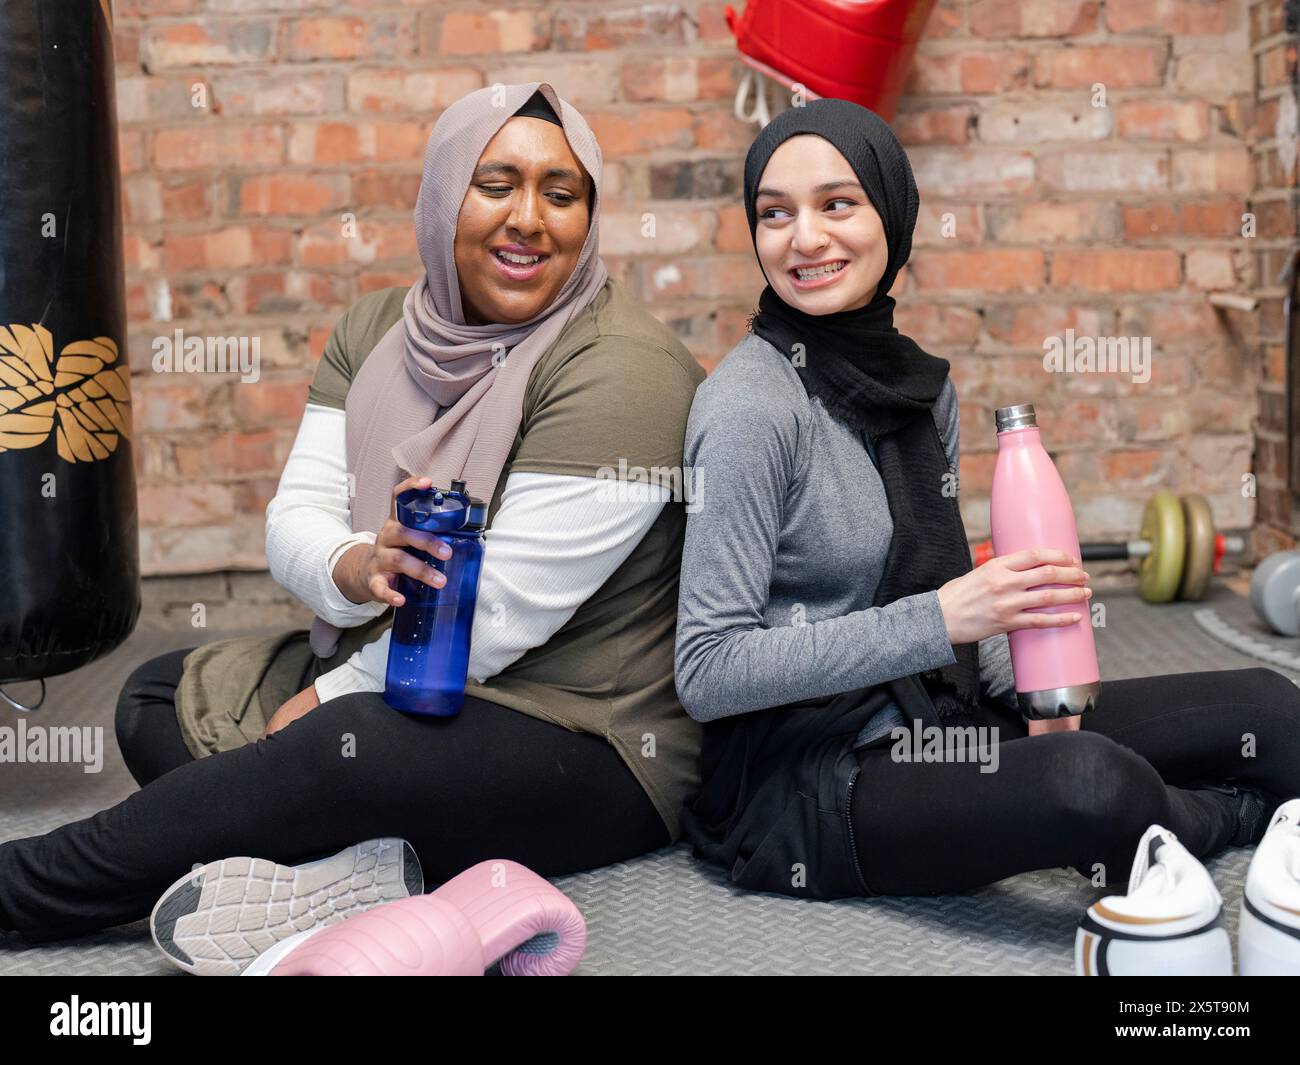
(69, 549)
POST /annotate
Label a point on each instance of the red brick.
(269, 401)
(166, 402)
(179, 505)
(945, 225)
(699, 277)
(1027, 325)
(410, 90)
(1128, 270)
(1163, 119)
(1212, 218)
(966, 71)
(211, 42)
(385, 188)
(733, 230)
(677, 231)
(936, 325)
(632, 27)
(711, 24)
(1033, 18)
(277, 94)
(338, 143)
(679, 79)
(185, 200)
(351, 37)
(289, 194)
(938, 125)
(1177, 323)
(985, 270)
(1211, 170)
(1116, 66)
(1052, 223)
(1128, 170)
(493, 32)
(138, 253)
(641, 130)
(1036, 121)
(1215, 75)
(227, 249)
(996, 172)
(1211, 268)
(720, 131)
(1166, 17)
(213, 144)
(130, 150)
(374, 280)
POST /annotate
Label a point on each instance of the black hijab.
(876, 380)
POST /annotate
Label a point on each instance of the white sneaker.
(217, 919)
(1167, 924)
(1268, 930)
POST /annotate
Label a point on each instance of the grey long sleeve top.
(786, 540)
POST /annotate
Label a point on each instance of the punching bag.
(69, 549)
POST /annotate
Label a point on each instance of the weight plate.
(1199, 563)
(1163, 526)
(1275, 592)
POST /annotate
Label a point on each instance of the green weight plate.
(1199, 563)
(1162, 570)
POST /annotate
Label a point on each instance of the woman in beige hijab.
(516, 364)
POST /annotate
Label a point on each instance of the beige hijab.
(431, 399)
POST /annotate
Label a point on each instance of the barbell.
(1177, 544)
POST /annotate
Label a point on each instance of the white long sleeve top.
(553, 542)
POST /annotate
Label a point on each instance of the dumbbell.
(1177, 544)
(1275, 592)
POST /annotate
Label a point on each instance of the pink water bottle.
(1055, 668)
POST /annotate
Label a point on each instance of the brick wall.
(1275, 201)
(252, 129)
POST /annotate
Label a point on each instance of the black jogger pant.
(1081, 798)
(488, 783)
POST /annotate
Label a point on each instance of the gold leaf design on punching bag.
(83, 391)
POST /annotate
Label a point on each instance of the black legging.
(488, 783)
(1078, 798)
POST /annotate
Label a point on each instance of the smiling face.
(820, 241)
(522, 224)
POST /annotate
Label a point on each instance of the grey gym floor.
(666, 913)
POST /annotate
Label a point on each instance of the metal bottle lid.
(1017, 417)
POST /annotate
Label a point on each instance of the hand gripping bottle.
(428, 652)
(1055, 668)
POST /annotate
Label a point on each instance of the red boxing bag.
(857, 51)
(69, 552)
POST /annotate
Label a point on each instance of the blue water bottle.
(428, 651)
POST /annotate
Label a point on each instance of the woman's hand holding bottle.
(368, 572)
(996, 596)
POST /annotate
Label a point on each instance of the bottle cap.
(431, 510)
(1018, 417)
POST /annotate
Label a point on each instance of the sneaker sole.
(216, 920)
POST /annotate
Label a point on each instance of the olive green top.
(614, 391)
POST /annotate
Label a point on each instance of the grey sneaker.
(217, 919)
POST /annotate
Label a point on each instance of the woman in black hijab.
(829, 611)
